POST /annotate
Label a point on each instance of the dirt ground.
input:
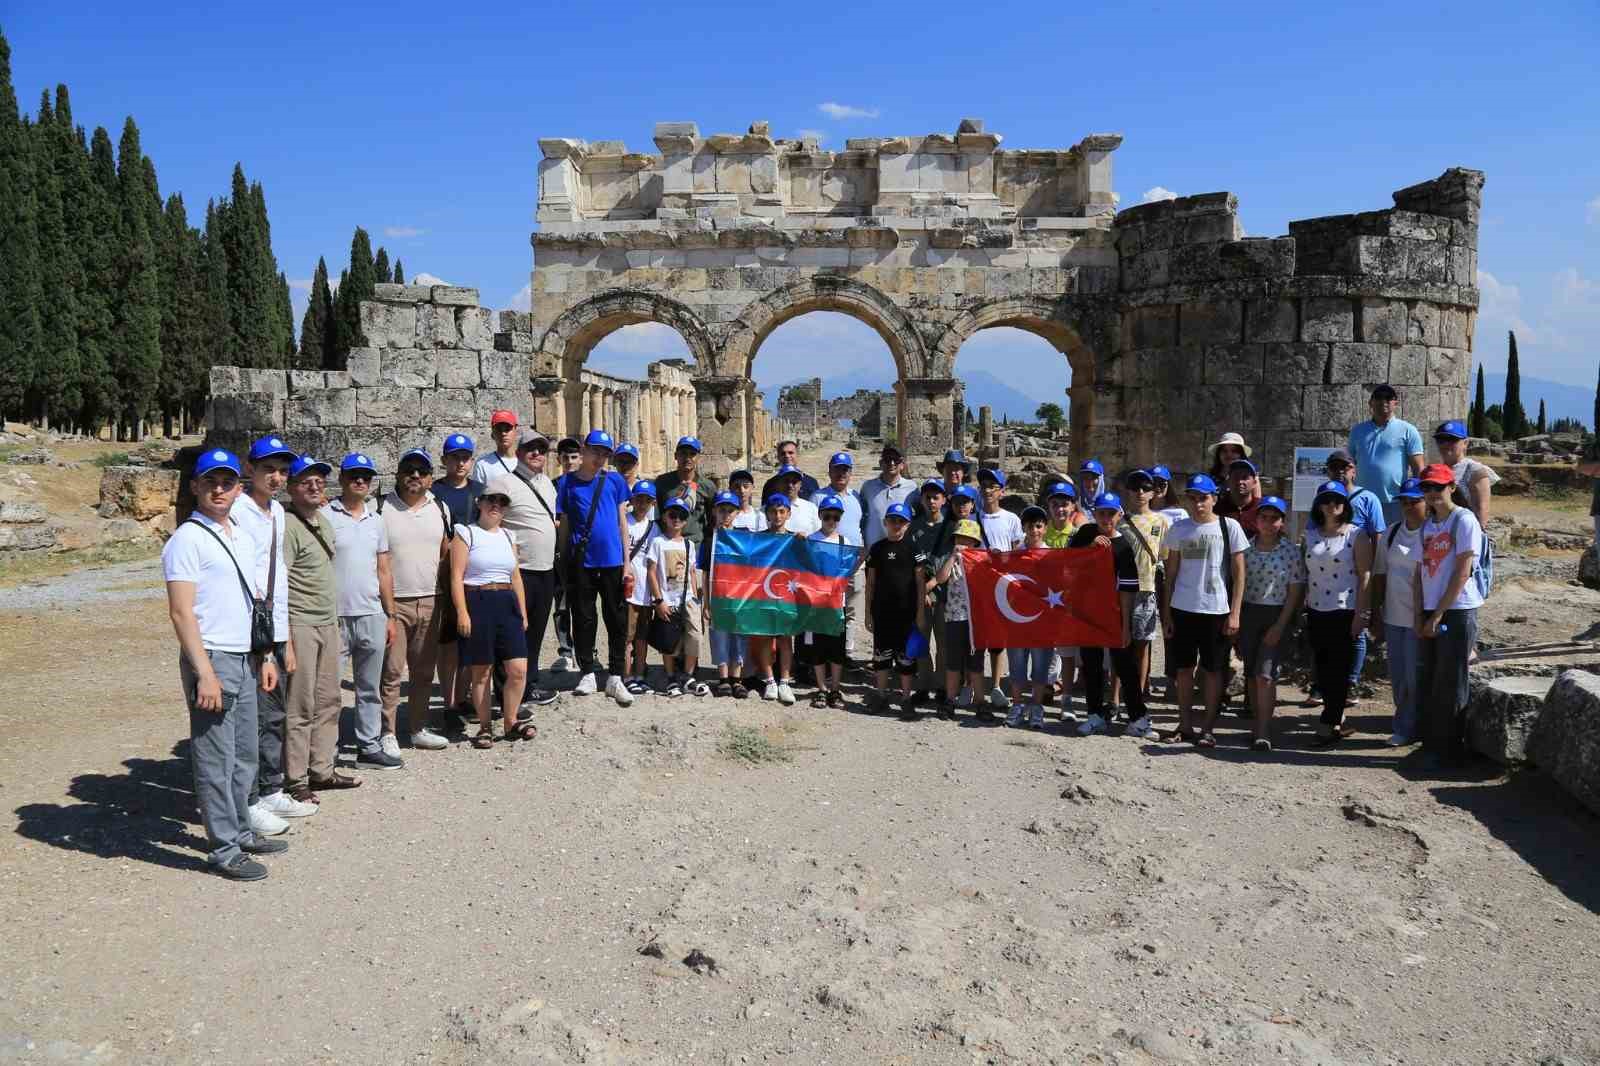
(868, 890)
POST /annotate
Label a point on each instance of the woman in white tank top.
(491, 612)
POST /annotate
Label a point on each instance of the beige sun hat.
(1229, 438)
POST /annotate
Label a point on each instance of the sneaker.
(379, 760)
(1069, 717)
(1398, 740)
(1095, 725)
(264, 823)
(242, 868)
(785, 693)
(587, 685)
(286, 806)
(617, 691)
(964, 698)
(537, 697)
(562, 665)
(390, 744)
(1014, 719)
(262, 846)
(1036, 716)
(1139, 727)
(428, 740)
(998, 698)
(771, 691)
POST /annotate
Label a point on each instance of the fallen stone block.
(1589, 568)
(1502, 714)
(32, 537)
(139, 492)
(1566, 741)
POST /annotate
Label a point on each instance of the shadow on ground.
(144, 814)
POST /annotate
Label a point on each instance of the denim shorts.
(727, 649)
(1029, 664)
(1146, 616)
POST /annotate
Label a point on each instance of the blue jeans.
(365, 638)
(1360, 659)
(1404, 667)
(223, 752)
(1029, 665)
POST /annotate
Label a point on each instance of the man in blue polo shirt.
(1387, 450)
(592, 509)
(210, 602)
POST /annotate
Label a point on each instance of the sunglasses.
(494, 501)
(1428, 486)
(502, 427)
(415, 471)
(358, 475)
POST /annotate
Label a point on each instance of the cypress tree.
(380, 266)
(20, 333)
(217, 330)
(283, 314)
(399, 273)
(56, 380)
(96, 237)
(1539, 425)
(316, 327)
(184, 371)
(1516, 419)
(355, 285)
(138, 311)
(1478, 407)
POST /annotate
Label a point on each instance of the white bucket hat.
(1230, 438)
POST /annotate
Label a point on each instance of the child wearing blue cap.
(1107, 531)
(675, 596)
(727, 649)
(1394, 607)
(1274, 586)
(775, 685)
(826, 651)
(894, 607)
(642, 529)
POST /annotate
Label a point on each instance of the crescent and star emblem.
(1001, 601)
(766, 584)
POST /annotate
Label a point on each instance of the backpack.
(1483, 572)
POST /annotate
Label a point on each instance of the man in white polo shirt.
(210, 602)
(417, 527)
(366, 604)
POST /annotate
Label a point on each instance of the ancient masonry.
(871, 413)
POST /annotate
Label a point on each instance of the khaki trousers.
(415, 651)
(311, 729)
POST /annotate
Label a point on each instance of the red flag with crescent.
(1043, 598)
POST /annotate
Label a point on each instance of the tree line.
(1508, 420)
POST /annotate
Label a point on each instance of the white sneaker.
(616, 690)
(771, 691)
(390, 745)
(1140, 727)
(561, 665)
(284, 805)
(785, 693)
(266, 823)
(1036, 716)
(428, 740)
(1014, 719)
(1398, 740)
(997, 698)
(587, 685)
(964, 698)
(1095, 724)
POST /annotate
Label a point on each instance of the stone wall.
(800, 405)
(652, 413)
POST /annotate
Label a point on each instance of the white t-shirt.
(753, 520)
(1002, 530)
(491, 465)
(1442, 542)
(641, 531)
(803, 517)
(1173, 515)
(491, 557)
(1199, 588)
(252, 522)
(1397, 560)
(672, 562)
(220, 605)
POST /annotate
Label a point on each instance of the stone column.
(597, 409)
(722, 418)
(985, 427)
(926, 415)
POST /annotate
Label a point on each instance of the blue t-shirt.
(1368, 512)
(462, 501)
(1383, 459)
(573, 494)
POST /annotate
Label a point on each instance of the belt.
(497, 586)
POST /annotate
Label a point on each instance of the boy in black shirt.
(895, 594)
(931, 534)
(1107, 517)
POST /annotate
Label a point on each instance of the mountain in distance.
(1560, 400)
(982, 388)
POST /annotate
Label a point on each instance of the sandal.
(483, 739)
(336, 780)
(696, 688)
(819, 701)
(739, 692)
(1205, 740)
(835, 698)
(522, 731)
(673, 690)
(724, 688)
(636, 686)
(1261, 744)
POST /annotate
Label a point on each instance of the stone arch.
(824, 292)
(565, 346)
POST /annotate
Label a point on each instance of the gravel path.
(116, 583)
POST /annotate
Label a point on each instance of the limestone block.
(515, 321)
(274, 382)
(1455, 328)
(1566, 738)
(1335, 407)
(1383, 257)
(1365, 364)
(138, 492)
(449, 407)
(412, 368)
(1146, 271)
(1219, 322)
(320, 407)
(21, 538)
(363, 366)
(490, 400)
(1423, 323)
(301, 380)
(1270, 320)
(1589, 568)
(1383, 321)
(389, 292)
(381, 444)
(504, 370)
(245, 412)
(327, 443)
(1299, 362)
(1176, 368)
(1408, 365)
(226, 379)
(1145, 327)
(1327, 318)
(513, 342)
(1234, 364)
(1502, 714)
(455, 296)
(337, 379)
(458, 369)
(1430, 261)
(1419, 405)
(1275, 406)
(435, 328)
(389, 405)
(388, 325)
(1462, 267)
(473, 327)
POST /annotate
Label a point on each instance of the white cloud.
(403, 231)
(522, 300)
(821, 136)
(1575, 293)
(426, 279)
(1592, 211)
(844, 111)
(1156, 194)
(300, 284)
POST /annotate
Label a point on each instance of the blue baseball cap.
(1410, 489)
(1332, 488)
(897, 510)
(357, 461)
(967, 492)
(841, 459)
(1159, 473)
(1092, 466)
(271, 447)
(1201, 483)
(726, 497)
(416, 453)
(676, 503)
(216, 459)
(1276, 503)
(1455, 429)
(1108, 501)
(1061, 488)
(458, 442)
(306, 465)
(777, 499)
(954, 455)
(690, 442)
(1244, 463)
(626, 449)
(599, 438)
(997, 476)
(830, 502)
(933, 484)
(788, 468)
(643, 487)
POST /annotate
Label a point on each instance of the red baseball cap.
(503, 417)
(1437, 474)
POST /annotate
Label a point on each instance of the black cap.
(1384, 391)
(569, 444)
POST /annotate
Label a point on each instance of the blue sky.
(420, 123)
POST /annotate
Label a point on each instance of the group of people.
(458, 575)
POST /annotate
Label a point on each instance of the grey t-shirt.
(357, 543)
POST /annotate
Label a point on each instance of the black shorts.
(820, 649)
(497, 632)
(1197, 635)
(889, 636)
(959, 654)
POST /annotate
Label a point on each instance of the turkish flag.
(1043, 598)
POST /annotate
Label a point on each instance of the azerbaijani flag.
(778, 584)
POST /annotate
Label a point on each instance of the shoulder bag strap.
(244, 582)
(644, 539)
(272, 558)
(536, 494)
(448, 518)
(1128, 524)
(314, 531)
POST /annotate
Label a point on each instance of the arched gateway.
(1173, 324)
